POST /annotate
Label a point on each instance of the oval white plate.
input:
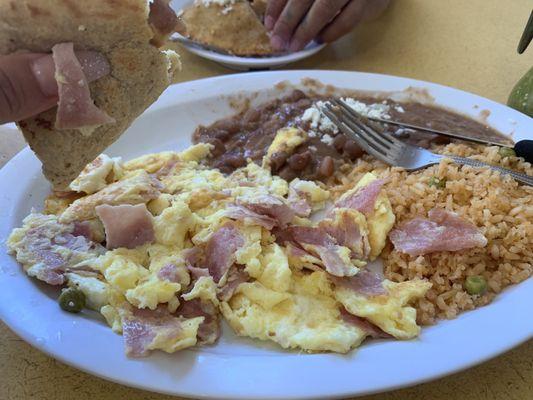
(238, 368)
(248, 63)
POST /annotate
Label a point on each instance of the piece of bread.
(260, 6)
(118, 29)
(236, 28)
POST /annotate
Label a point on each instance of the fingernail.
(43, 70)
(269, 23)
(278, 43)
(296, 45)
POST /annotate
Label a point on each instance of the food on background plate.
(166, 245)
(97, 102)
(234, 26)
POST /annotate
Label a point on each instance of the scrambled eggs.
(285, 297)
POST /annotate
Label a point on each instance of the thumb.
(27, 85)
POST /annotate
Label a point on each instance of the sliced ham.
(319, 242)
(365, 282)
(363, 199)
(140, 328)
(83, 228)
(126, 225)
(75, 109)
(209, 330)
(270, 206)
(345, 230)
(236, 276)
(169, 273)
(221, 248)
(192, 258)
(363, 324)
(162, 17)
(299, 203)
(242, 213)
(443, 231)
(197, 272)
(52, 249)
(93, 64)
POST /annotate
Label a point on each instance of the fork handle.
(523, 178)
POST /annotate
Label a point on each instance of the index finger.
(273, 11)
(321, 14)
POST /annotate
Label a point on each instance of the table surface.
(466, 44)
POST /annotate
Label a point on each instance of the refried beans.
(249, 134)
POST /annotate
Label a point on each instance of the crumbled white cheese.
(399, 109)
(326, 139)
(320, 122)
(312, 148)
(226, 10)
(317, 119)
(376, 110)
(312, 133)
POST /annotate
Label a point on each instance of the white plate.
(237, 368)
(248, 63)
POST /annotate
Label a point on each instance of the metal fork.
(385, 147)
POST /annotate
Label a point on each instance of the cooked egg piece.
(286, 140)
(122, 268)
(391, 312)
(314, 193)
(151, 290)
(95, 176)
(173, 224)
(307, 317)
(173, 341)
(381, 221)
(275, 272)
(205, 289)
(96, 291)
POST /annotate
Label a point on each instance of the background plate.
(237, 368)
(248, 63)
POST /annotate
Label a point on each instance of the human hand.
(294, 23)
(28, 85)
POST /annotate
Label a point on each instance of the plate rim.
(26, 156)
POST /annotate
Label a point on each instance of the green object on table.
(521, 97)
(527, 36)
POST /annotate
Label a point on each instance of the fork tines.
(367, 134)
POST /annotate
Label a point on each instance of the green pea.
(506, 152)
(475, 285)
(436, 182)
(72, 300)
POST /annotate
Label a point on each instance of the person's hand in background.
(294, 23)
(28, 84)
